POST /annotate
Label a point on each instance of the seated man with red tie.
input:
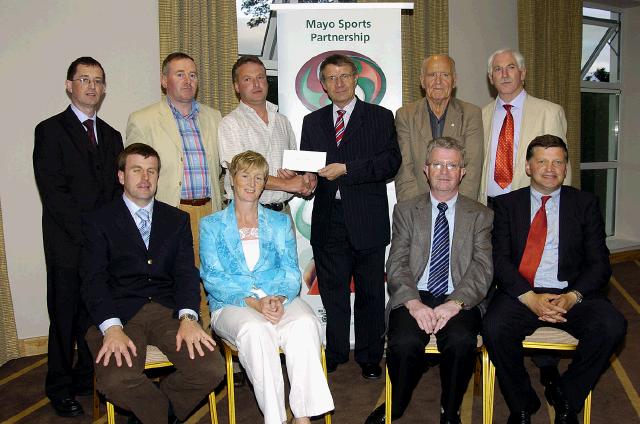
(551, 264)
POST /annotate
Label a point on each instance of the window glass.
(602, 183)
(600, 127)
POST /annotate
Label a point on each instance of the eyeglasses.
(451, 166)
(342, 77)
(84, 81)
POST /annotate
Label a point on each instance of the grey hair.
(447, 143)
(516, 54)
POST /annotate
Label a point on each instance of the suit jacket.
(539, 117)
(223, 267)
(72, 177)
(156, 126)
(470, 254)
(583, 257)
(463, 122)
(369, 149)
(119, 275)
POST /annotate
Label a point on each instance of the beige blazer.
(539, 117)
(156, 126)
(463, 122)
(470, 257)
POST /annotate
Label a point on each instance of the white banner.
(308, 33)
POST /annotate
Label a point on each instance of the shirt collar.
(444, 114)
(133, 208)
(195, 108)
(517, 103)
(271, 108)
(450, 203)
(348, 107)
(81, 115)
(538, 196)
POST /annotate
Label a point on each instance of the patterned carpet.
(615, 399)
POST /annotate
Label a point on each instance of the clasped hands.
(116, 343)
(271, 307)
(303, 185)
(432, 320)
(549, 307)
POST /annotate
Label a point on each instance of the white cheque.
(304, 160)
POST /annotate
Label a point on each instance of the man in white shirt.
(256, 125)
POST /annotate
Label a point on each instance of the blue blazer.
(223, 267)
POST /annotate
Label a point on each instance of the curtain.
(550, 38)
(206, 30)
(8, 334)
(425, 31)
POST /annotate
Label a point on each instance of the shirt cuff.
(109, 323)
(187, 311)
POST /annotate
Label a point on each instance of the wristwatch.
(578, 295)
(458, 302)
(188, 317)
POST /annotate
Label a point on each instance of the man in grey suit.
(438, 273)
(437, 115)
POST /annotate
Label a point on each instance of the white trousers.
(258, 342)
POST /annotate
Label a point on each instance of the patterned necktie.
(439, 266)
(340, 127)
(535, 243)
(88, 124)
(503, 173)
(145, 225)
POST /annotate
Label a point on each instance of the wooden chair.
(432, 348)
(543, 338)
(154, 359)
(230, 350)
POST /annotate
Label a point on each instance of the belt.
(195, 202)
(278, 207)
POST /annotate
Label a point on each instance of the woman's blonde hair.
(249, 159)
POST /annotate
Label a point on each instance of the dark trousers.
(598, 326)
(336, 261)
(68, 322)
(457, 343)
(130, 388)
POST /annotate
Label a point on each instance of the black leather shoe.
(520, 417)
(239, 379)
(564, 413)
(331, 366)
(377, 416)
(444, 419)
(67, 407)
(371, 371)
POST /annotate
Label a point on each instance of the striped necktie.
(439, 265)
(145, 225)
(340, 127)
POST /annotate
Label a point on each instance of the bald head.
(438, 78)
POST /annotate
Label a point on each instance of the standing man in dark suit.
(74, 161)
(141, 287)
(551, 264)
(439, 271)
(350, 220)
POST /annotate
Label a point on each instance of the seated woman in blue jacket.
(249, 266)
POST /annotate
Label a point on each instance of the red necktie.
(340, 127)
(88, 124)
(535, 243)
(503, 173)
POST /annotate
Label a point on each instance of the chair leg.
(488, 389)
(387, 396)
(111, 413)
(323, 359)
(212, 408)
(587, 409)
(96, 400)
(228, 356)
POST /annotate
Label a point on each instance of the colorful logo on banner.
(371, 80)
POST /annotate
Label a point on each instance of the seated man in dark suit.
(438, 273)
(551, 264)
(141, 287)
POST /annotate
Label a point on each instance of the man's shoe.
(331, 366)
(520, 417)
(239, 379)
(67, 407)
(550, 379)
(371, 371)
(449, 420)
(377, 416)
(564, 413)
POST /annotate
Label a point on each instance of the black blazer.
(370, 150)
(583, 255)
(119, 275)
(72, 177)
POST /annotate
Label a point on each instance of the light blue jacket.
(224, 270)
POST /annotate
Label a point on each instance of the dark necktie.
(88, 124)
(439, 265)
(340, 127)
(503, 173)
(536, 240)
